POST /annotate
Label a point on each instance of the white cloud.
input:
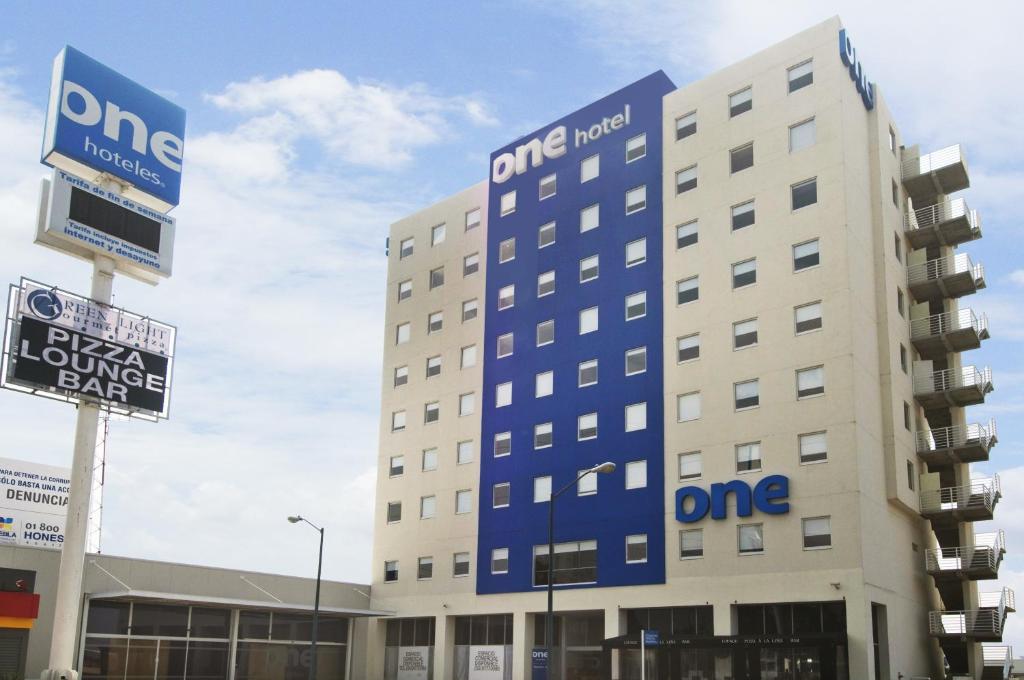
(1017, 277)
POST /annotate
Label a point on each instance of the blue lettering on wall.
(849, 56)
(693, 503)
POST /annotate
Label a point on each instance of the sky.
(313, 126)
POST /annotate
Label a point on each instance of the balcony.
(947, 223)
(939, 172)
(968, 562)
(956, 444)
(972, 502)
(964, 386)
(937, 335)
(945, 277)
(998, 661)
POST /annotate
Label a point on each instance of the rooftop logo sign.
(849, 56)
(693, 503)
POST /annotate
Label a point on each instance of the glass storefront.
(409, 648)
(483, 643)
(576, 643)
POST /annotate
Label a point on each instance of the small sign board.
(652, 638)
(33, 503)
(539, 663)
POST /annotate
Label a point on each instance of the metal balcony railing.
(948, 322)
(980, 495)
(944, 267)
(1003, 600)
(940, 213)
(956, 436)
(999, 656)
(985, 623)
(932, 162)
(953, 379)
(982, 558)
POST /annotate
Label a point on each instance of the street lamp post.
(549, 621)
(316, 600)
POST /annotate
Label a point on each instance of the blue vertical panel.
(614, 512)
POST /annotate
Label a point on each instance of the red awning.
(19, 605)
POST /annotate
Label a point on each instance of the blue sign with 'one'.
(539, 663)
(693, 503)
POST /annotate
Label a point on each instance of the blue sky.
(313, 126)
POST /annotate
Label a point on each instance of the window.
(911, 474)
(463, 501)
(892, 141)
(895, 194)
(506, 250)
(906, 416)
(586, 427)
(508, 203)
(429, 460)
(437, 234)
(502, 444)
(741, 158)
(428, 507)
(435, 322)
(548, 186)
(468, 310)
(390, 571)
(636, 199)
(397, 421)
(505, 345)
(507, 297)
(396, 466)
(688, 348)
(499, 561)
(742, 215)
(467, 358)
(590, 168)
(688, 290)
(590, 217)
(805, 255)
(573, 563)
(636, 548)
(501, 495)
(636, 474)
(903, 358)
(636, 361)
(471, 264)
(541, 489)
(688, 407)
(747, 394)
(817, 533)
(460, 564)
(404, 290)
(589, 267)
(686, 125)
(587, 484)
(748, 457)
(800, 75)
(690, 466)
(587, 373)
(744, 273)
(751, 539)
(503, 395)
(406, 248)
(898, 246)
(636, 148)
(546, 235)
(636, 252)
(424, 568)
(744, 334)
(686, 234)
(543, 435)
(810, 382)
(802, 135)
(472, 219)
(546, 283)
(899, 301)
(813, 447)
(808, 317)
(545, 332)
(741, 102)
(436, 278)
(433, 366)
(588, 320)
(544, 384)
(394, 512)
(467, 404)
(691, 544)
(686, 179)
(401, 375)
(464, 452)
(636, 417)
(636, 305)
(402, 333)
(804, 193)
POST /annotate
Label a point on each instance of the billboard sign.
(99, 121)
(33, 503)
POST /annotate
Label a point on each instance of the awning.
(185, 599)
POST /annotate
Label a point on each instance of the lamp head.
(295, 519)
(604, 468)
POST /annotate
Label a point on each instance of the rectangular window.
(436, 278)
(545, 332)
(810, 382)
(397, 421)
(467, 356)
(741, 158)
(690, 466)
(590, 217)
(543, 435)
(396, 466)
(898, 247)
(437, 234)
(587, 373)
(813, 447)
(691, 544)
(424, 568)
(744, 334)
(911, 474)
(546, 235)
(505, 345)
(587, 484)
(390, 571)
(892, 141)
(402, 331)
(574, 563)
(428, 507)
(433, 366)
(541, 489)
(899, 301)
(404, 290)
(502, 444)
(503, 395)
(903, 358)
(636, 417)
(636, 305)
(472, 219)
(636, 147)
(460, 564)
(548, 186)
(636, 549)
(636, 252)
(686, 125)
(906, 416)
(802, 135)
(806, 255)
(800, 75)
(588, 320)
(804, 193)
(688, 290)
(817, 533)
(544, 384)
(499, 561)
(741, 102)
(406, 248)
(686, 234)
(401, 375)
(748, 457)
(586, 427)
(589, 267)
(394, 512)
(546, 283)
(744, 273)
(688, 407)
(636, 474)
(747, 394)
(751, 539)
(464, 452)
(688, 348)
(686, 179)
(636, 199)
(508, 203)
(742, 215)
(506, 297)
(501, 494)
(467, 404)
(808, 317)
(590, 168)
(895, 194)
(507, 250)
(636, 361)
(435, 322)
(463, 501)
(429, 460)
(469, 310)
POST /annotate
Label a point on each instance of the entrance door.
(13, 646)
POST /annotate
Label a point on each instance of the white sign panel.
(33, 503)
(413, 663)
(486, 662)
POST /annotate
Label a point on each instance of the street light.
(549, 621)
(295, 519)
